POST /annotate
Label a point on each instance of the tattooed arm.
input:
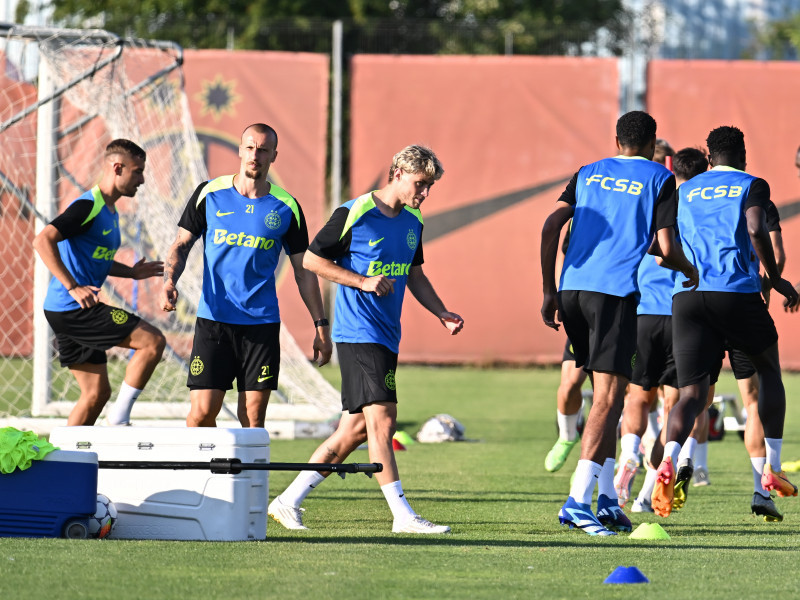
(174, 266)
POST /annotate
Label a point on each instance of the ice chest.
(174, 504)
(54, 497)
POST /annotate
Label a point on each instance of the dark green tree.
(431, 26)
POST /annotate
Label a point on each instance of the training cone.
(792, 466)
(404, 438)
(626, 575)
(397, 445)
(649, 531)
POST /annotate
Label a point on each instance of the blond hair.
(417, 159)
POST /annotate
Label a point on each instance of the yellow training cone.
(649, 531)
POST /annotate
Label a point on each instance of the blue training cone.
(626, 575)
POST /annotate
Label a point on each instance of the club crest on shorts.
(411, 239)
(389, 380)
(120, 317)
(196, 366)
(273, 220)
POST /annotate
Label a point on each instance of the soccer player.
(78, 247)
(654, 365)
(245, 222)
(747, 379)
(664, 153)
(569, 397)
(569, 401)
(372, 247)
(721, 218)
(616, 205)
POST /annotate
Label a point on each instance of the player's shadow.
(454, 540)
(437, 496)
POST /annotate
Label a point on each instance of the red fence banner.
(510, 132)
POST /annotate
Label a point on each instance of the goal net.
(64, 95)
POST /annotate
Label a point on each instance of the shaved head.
(262, 128)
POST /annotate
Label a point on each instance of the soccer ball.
(441, 428)
(104, 518)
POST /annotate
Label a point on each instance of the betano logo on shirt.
(620, 185)
(103, 253)
(721, 191)
(221, 236)
(377, 267)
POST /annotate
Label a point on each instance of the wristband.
(73, 287)
(321, 323)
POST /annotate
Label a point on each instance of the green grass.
(493, 491)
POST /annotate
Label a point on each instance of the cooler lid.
(71, 456)
(85, 437)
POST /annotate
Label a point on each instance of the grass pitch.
(493, 492)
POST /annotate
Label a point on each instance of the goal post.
(64, 95)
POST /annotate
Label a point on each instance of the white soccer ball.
(104, 518)
(441, 428)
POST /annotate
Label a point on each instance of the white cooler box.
(175, 504)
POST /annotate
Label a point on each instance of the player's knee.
(354, 434)
(352, 438)
(150, 341)
(97, 396)
(383, 428)
(201, 415)
(201, 419)
(161, 342)
(103, 392)
(603, 403)
(158, 344)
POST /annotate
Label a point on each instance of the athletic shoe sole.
(664, 490)
(624, 480)
(681, 490)
(765, 507)
(772, 481)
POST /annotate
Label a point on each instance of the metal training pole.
(228, 466)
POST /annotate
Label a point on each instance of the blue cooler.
(53, 498)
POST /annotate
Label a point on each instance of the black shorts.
(654, 364)
(703, 321)
(742, 366)
(222, 352)
(568, 354)
(602, 329)
(368, 375)
(83, 335)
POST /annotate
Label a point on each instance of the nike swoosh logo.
(107, 231)
(376, 242)
(224, 214)
(260, 379)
